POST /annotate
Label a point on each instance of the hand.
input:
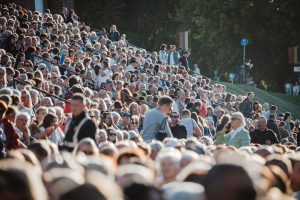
(50, 130)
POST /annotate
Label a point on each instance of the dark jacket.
(246, 108)
(266, 137)
(179, 131)
(298, 137)
(271, 124)
(185, 62)
(114, 36)
(87, 130)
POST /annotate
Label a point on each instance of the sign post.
(244, 43)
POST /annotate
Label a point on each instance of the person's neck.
(173, 124)
(77, 115)
(169, 180)
(262, 129)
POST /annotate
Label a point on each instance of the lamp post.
(244, 43)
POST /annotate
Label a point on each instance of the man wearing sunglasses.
(178, 131)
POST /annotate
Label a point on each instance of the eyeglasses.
(174, 117)
(112, 134)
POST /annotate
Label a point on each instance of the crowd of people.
(86, 115)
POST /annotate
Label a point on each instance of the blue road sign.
(244, 42)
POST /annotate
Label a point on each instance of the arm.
(274, 137)
(197, 132)
(167, 128)
(88, 130)
(45, 132)
(245, 139)
(220, 138)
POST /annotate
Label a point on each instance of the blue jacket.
(176, 57)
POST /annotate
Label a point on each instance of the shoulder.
(244, 132)
(89, 124)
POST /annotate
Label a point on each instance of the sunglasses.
(112, 134)
(175, 117)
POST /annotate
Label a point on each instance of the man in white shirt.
(173, 56)
(191, 125)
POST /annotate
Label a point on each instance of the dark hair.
(286, 115)
(48, 119)
(249, 93)
(165, 100)
(11, 109)
(3, 107)
(220, 174)
(163, 46)
(80, 97)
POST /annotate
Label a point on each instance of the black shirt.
(266, 137)
(87, 130)
(184, 62)
(179, 131)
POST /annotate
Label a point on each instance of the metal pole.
(244, 64)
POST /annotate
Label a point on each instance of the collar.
(80, 116)
(238, 129)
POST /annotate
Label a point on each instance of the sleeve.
(274, 137)
(88, 130)
(220, 138)
(245, 140)
(194, 123)
(167, 128)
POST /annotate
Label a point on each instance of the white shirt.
(130, 68)
(105, 77)
(189, 123)
(172, 62)
(56, 137)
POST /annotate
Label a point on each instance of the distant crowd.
(86, 115)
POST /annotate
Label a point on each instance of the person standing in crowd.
(191, 125)
(283, 133)
(178, 131)
(296, 89)
(163, 55)
(234, 132)
(80, 125)
(114, 34)
(273, 125)
(287, 118)
(156, 120)
(263, 135)
(184, 60)
(272, 111)
(246, 106)
(173, 56)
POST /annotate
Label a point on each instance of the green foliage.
(271, 26)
